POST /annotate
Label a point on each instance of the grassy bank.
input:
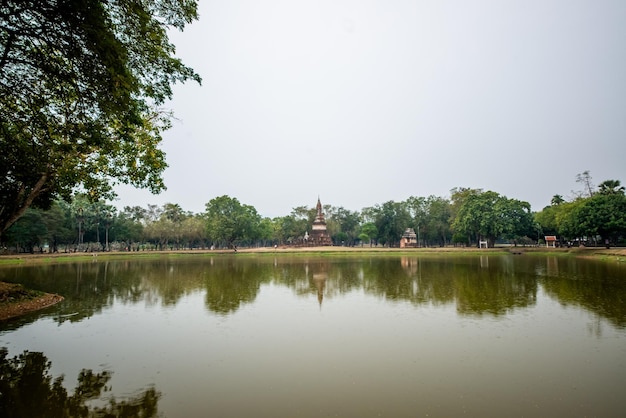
(16, 300)
(615, 254)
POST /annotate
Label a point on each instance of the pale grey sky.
(362, 102)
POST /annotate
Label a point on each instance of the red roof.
(550, 238)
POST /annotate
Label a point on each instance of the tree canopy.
(467, 217)
(81, 82)
(488, 215)
(589, 216)
(229, 221)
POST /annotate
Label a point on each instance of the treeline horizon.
(596, 215)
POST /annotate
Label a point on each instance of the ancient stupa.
(319, 235)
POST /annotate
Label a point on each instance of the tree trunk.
(23, 202)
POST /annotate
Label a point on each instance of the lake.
(315, 336)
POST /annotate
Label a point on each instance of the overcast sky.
(362, 102)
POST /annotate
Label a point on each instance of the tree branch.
(27, 201)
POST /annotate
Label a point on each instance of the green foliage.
(430, 219)
(611, 187)
(469, 216)
(80, 86)
(546, 220)
(476, 217)
(567, 219)
(266, 230)
(557, 199)
(173, 227)
(364, 238)
(346, 224)
(29, 231)
(229, 222)
(193, 231)
(369, 232)
(487, 215)
(286, 229)
(391, 219)
(437, 226)
(516, 218)
(59, 224)
(602, 215)
(124, 229)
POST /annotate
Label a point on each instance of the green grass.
(327, 252)
(10, 293)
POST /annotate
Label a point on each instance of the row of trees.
(466, 218)
(226, 222)
(596, 214)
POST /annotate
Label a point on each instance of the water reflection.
(231, 284)
(495, 290)
(396, 336)
(28, 390)
(319, 282)
(485, 285)
(598, 287)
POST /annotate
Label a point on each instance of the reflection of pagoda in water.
(319, 281)
(410, 264)
(319, 235)
(316, 277)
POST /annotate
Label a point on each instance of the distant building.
(550, 241)
(319, 235)
(409, 238)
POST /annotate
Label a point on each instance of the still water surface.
(233, 336)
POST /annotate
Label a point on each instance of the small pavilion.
(550, 241)
(409, 238)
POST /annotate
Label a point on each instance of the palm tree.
(557, 199)
(611, 187)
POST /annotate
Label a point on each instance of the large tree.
(603, 215)
(347, 225)
(81, 85)
(477, 218)
(392, 218)
(230, 222)
(438, 226)
(488, 215)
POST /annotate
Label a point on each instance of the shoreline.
(16, 301)
(617, 254)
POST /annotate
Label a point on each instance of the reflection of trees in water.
(494, 289)
(478, 285)
(86, 287)
(409, 278)
(28, 390)
(90, 287)
(229, 283)
(594, 285)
